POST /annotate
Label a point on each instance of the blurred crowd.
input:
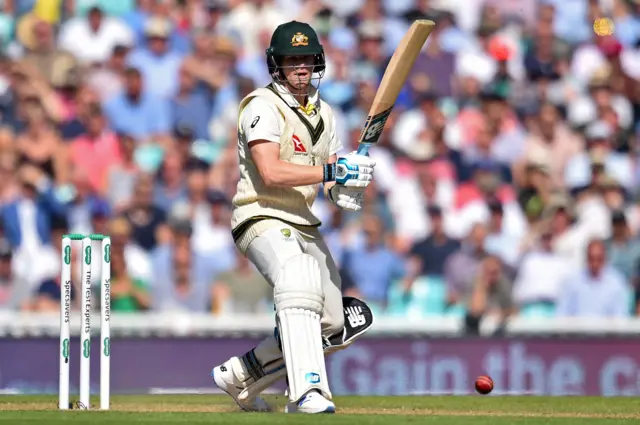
(507, 177)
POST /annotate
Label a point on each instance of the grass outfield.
(213, 409)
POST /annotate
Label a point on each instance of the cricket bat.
(393, 80)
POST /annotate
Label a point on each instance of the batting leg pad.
(299, 302)
(358, 319)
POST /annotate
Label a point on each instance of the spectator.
(171, 185)
(138, 17)
(429, 256)
(137, 112)
(436, 64)
(490, 295)
(121, 177)
(214, 241)
(214, 21)
(41, 147)
(96, 151)
(372, 57)
(228, 90)
(49, 290)
(241, 290)
(184, 146)
(500, 242)
(508, 143)
(100, 214)
(14, 293)
(181, 281)
(75, 126)
(623, 251)
(191, 106)
(106, 79)
(540, 276)
(158, 65)
(599, 152)
(9, 187)
(338, 234)
(583, 110)
(263, 13)
(81, 198)
(128, 294)
(472, 199)
(553, 144)
(428, 124)
(613, 194)
(536, 186)
(413, 193)
(374, 267)
(143, 215)
(598, 290)
(92, 38)
(461, 267)
(139, 266)
(482, 150)
(44, 55)
(26, 219)
(515, 127)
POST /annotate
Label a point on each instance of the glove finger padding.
(347, 198)
(363, 181)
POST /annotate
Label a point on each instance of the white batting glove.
(350, 199)
(351, 170)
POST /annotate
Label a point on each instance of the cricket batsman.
(287, 147)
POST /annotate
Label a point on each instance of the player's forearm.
(286, 174)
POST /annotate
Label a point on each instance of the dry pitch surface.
(208, 409)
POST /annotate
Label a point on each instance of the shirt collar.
(313, 105)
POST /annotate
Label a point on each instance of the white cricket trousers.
(269, 252)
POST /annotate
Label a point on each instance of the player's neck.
(301, 98)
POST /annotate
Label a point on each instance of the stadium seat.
(427, 298)
(397, 302)
(457, 310)
(538, 310)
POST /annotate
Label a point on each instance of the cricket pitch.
(214, 409)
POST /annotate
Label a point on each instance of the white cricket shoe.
(225, 379)
(312, 402)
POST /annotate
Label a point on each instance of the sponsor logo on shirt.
(298, 147)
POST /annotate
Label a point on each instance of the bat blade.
(393, 80)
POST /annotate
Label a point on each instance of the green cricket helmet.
(294, 39)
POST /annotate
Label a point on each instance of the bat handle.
(363, 149)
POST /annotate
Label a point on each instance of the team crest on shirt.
(299, 39)
(298, 147)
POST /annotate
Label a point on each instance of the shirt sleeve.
(261, 120)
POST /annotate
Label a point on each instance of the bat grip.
(363, 149)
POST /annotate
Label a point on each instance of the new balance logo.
(312, 378)
(297, 145)
(355, 316)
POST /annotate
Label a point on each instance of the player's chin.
(300, 85)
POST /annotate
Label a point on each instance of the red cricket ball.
(484, 384)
